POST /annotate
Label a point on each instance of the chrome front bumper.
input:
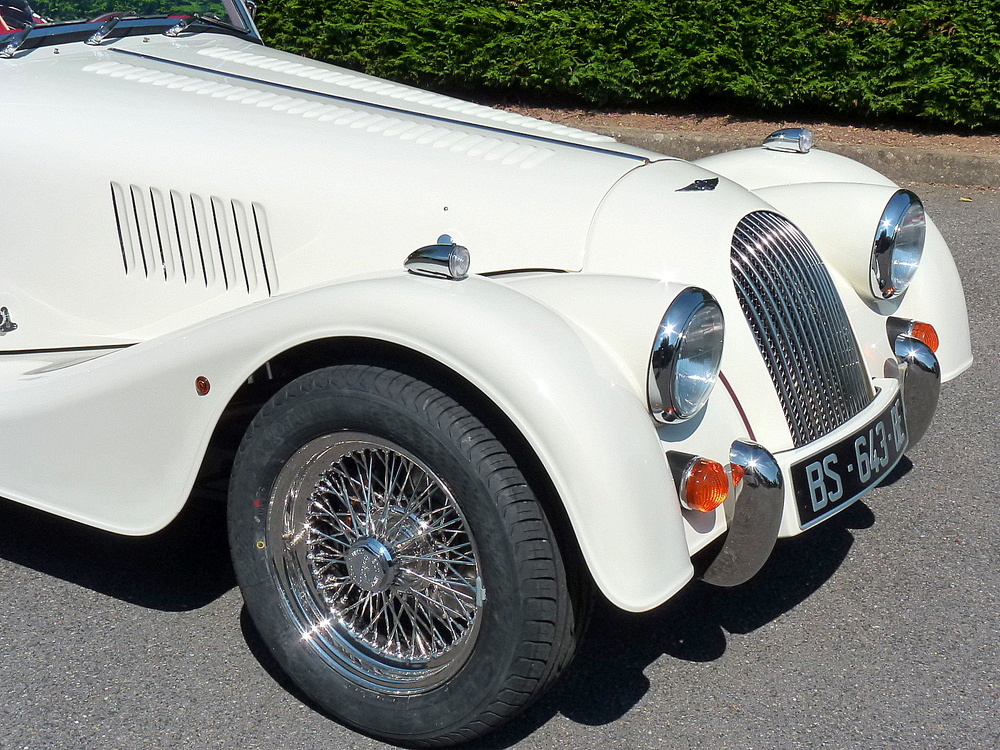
(760, 502)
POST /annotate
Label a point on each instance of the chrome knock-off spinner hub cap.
(370, 565)
(375, 562)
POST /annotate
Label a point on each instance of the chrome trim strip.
(921, 381)
(107, 347)
(383, 107)
(756, 517)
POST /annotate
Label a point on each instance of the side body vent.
(799, 324)
(181, 238)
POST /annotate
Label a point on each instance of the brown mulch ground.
(982, 145)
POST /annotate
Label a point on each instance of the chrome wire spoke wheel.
(395, 559)
(375, 562)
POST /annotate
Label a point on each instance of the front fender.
(841, 220)
(756, 168)
(837, 202)
(116, 442)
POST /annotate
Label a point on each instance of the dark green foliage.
(934, 59)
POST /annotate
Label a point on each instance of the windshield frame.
(80, 30)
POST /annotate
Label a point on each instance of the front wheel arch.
(281, 370)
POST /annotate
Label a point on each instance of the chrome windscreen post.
(16, 42)
(102, 33)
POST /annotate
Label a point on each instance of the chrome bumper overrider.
(920, 376)
(753, 529)
(760, 498)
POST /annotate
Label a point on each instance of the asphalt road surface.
(879, 629)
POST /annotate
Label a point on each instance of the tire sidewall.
(275, 436)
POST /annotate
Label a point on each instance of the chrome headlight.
(899, 243)
(686, 354)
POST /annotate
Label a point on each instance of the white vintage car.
(466, 370)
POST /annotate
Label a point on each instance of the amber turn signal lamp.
(737, 472)
(925, 332)
(705, 485)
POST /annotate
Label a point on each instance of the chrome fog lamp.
(795, 140)
(898, 245)
(687, 351)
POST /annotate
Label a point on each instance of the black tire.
(399, 623)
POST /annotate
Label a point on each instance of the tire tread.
(553, 608)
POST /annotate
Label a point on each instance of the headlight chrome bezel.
(902, 229)
(670, 394)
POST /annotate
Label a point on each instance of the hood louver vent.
(459, 138)
(396, 92)
(182, 238)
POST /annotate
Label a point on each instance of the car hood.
(321, 172)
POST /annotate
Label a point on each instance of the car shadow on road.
(183, 567)
(186, 566)
(607, 678)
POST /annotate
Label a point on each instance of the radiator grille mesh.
(799, 324)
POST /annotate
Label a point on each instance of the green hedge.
(938, 60)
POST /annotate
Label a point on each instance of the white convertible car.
(470, 369)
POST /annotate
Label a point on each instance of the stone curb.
(898, 164)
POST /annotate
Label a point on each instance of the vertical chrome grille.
(176, 237)
(800, 326)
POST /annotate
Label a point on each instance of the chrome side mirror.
(443, 260)
(795, 140)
